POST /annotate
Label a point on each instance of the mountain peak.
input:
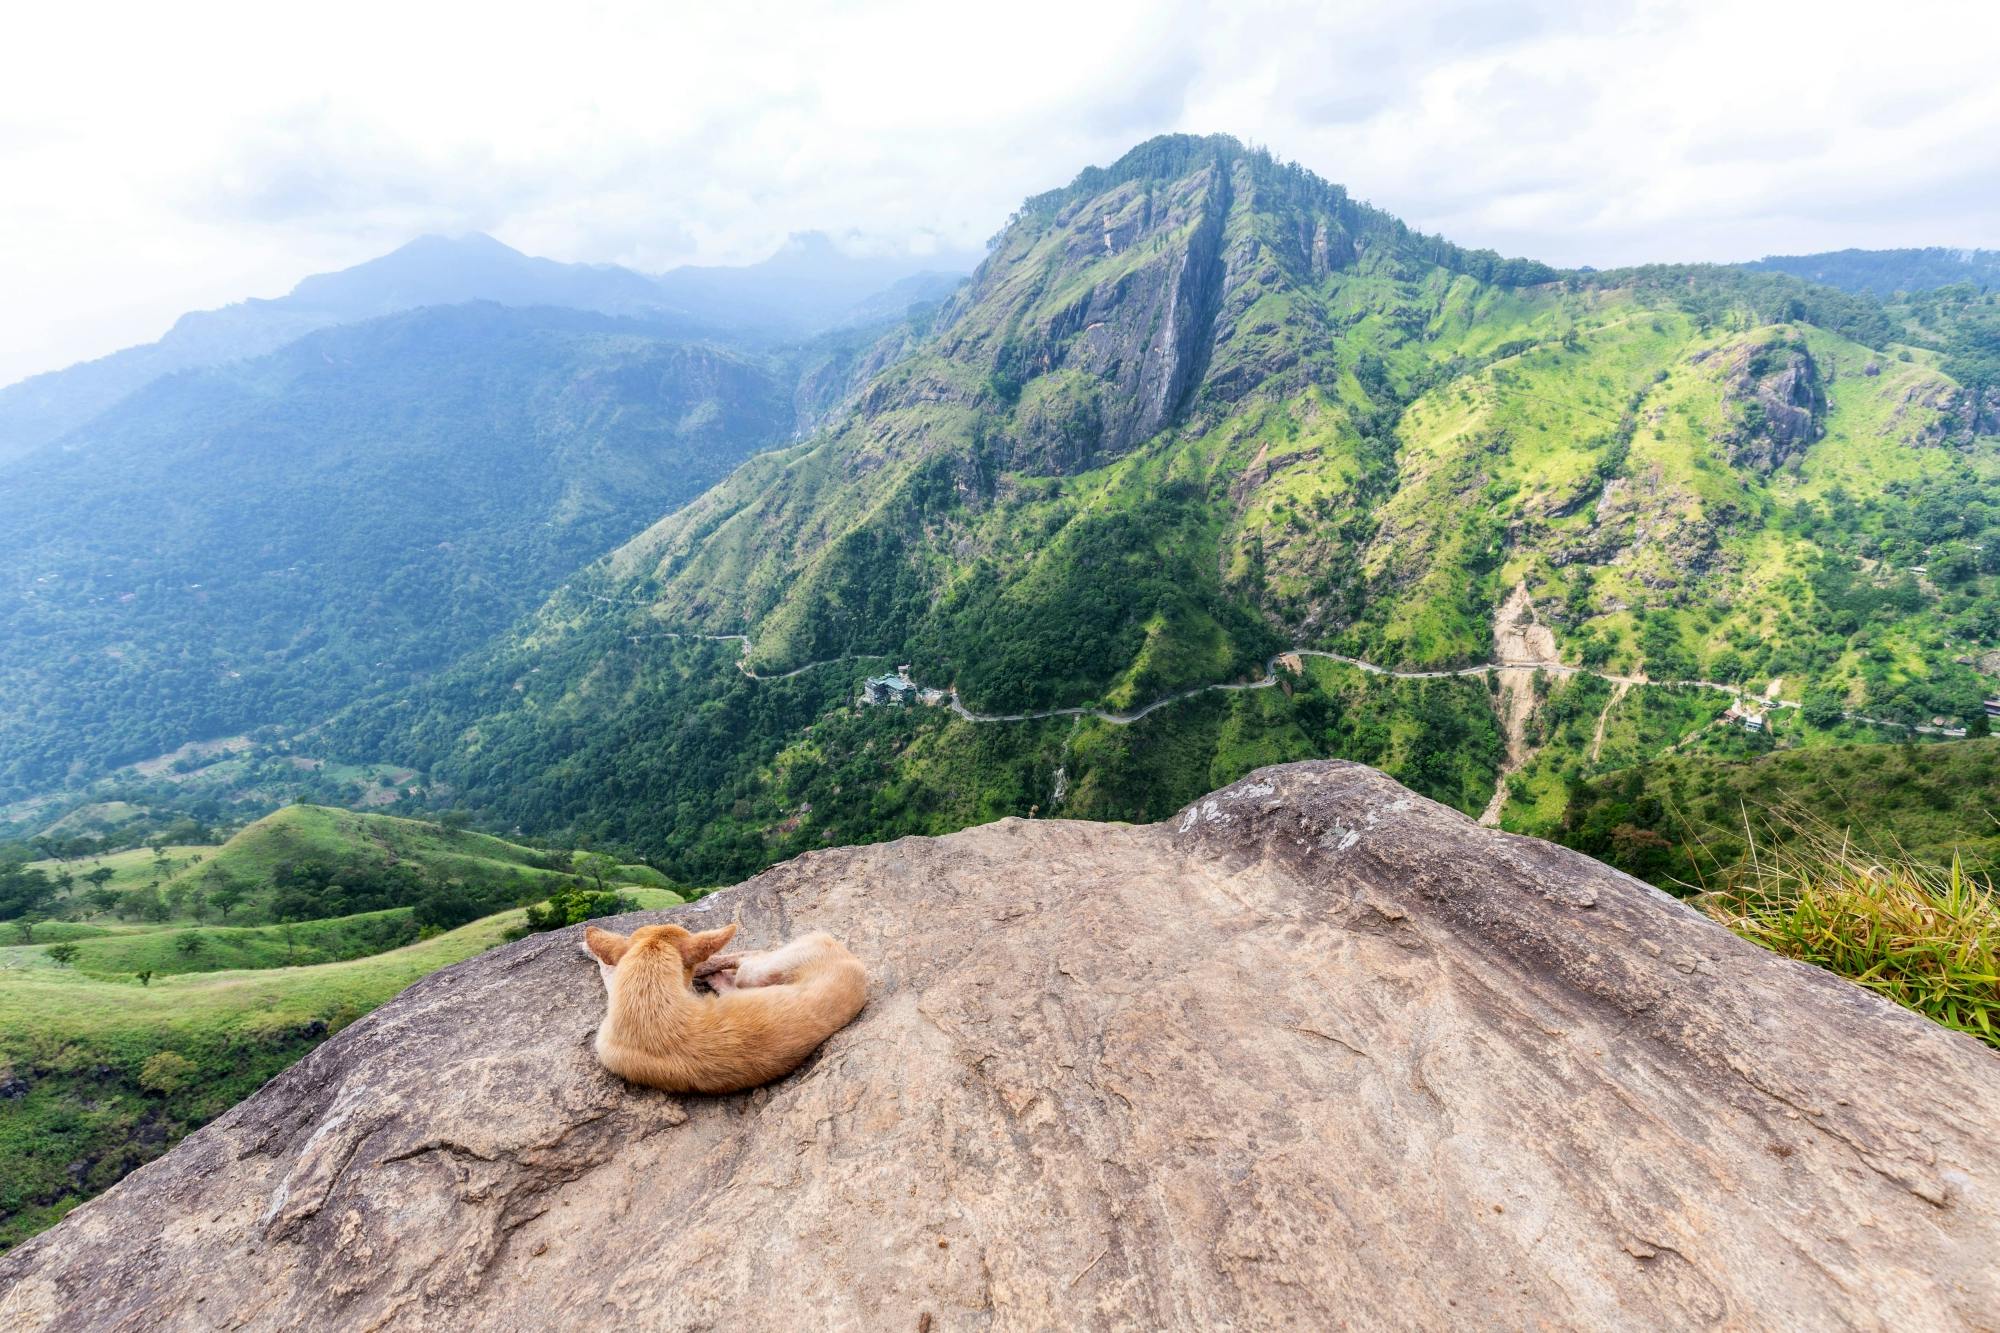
(432, 244)
(808, 245)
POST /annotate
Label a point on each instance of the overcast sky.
(159, 158)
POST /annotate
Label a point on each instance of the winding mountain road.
(1267, 681)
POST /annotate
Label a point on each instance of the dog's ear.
(695, 949)
(606, 946)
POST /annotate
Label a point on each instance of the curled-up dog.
(770, 1010)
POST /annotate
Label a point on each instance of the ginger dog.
(770, 1011)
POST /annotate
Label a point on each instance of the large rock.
(1316, 1053)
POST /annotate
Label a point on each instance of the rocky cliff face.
(1315, 1053)
(1779, 404)
(1966, 414)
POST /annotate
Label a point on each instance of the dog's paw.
(721, 962)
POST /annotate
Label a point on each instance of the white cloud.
(158, 159)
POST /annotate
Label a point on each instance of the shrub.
(568, 907)
(1925, 936)
(166, 1072)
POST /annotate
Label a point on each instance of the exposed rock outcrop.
(1964, 415)
(1780, 404)
(1315, 1053)
(1133, 343)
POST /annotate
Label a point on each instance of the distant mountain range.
(1884, 273)
(265, 541)
(809, 286)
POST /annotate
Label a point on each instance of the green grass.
(133, 868)
(164, 950)
(116, 1069)
(117, 1072)
(305, 832)
(1925, 936)
(362, 849)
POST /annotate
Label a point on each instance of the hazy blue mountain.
(809, 286)
(264, 541)
(1883, 273)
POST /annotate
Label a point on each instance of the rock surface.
(1781, 401)
(1316, 1053)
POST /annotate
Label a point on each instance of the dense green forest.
(1692, 821)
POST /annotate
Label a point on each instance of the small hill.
(300, 864)
(1315, 1052)
(347, 861)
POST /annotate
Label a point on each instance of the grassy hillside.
(123, 952)
(306, 863)
(132, 867)
(100, 1076)
(304, 884)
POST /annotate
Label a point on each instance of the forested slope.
(264, 543)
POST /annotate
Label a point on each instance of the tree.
(223, 897)
(101, 876)
(190, 943)
(596, 867)
(1821, 710)
(1638, 850)
(567, 907)
(444, 907)
(145, 978)
(63, 954)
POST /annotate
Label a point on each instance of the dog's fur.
(770, 1010)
